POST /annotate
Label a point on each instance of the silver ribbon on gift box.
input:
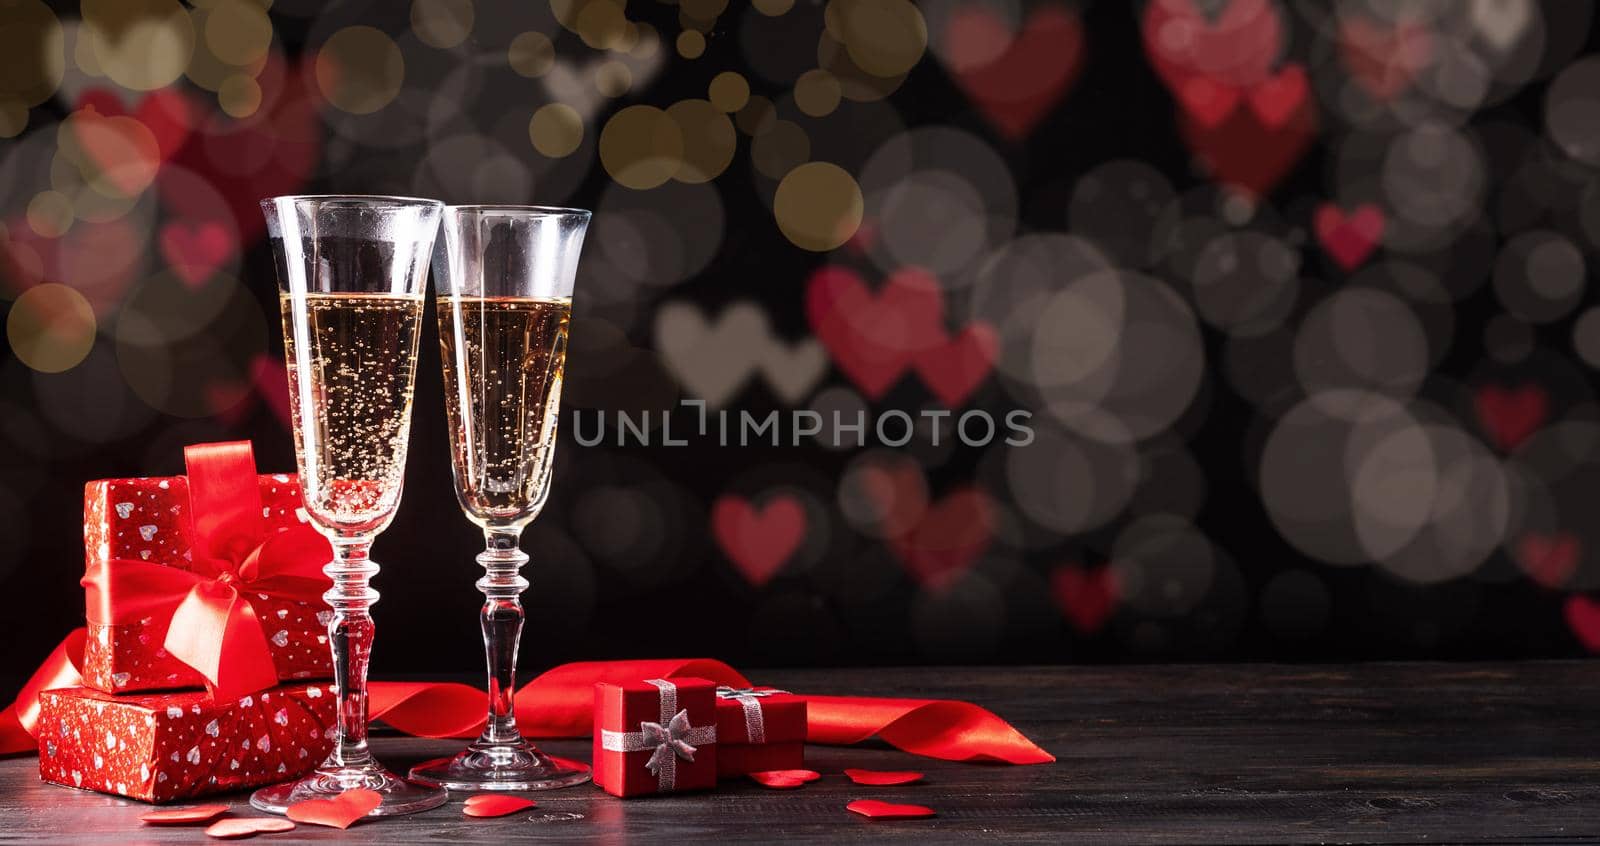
(755, 724)
(671, 738)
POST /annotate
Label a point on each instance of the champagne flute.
(504, 277)
(351, 278)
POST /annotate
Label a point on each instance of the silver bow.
(669, 741)
(755, 724)
(677, 739)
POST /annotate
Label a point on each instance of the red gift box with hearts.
(655, 736)
(159, 747)
(222, 549)
(759, 729)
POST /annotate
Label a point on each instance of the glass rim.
(375, 199)
(513, 208)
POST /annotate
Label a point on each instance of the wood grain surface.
(1380, 753)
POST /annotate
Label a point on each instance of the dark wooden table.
(1382, 753)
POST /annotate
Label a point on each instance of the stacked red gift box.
(146, 724)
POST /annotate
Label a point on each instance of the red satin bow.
(560, 703)
(211, 625)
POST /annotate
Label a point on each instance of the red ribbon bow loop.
(212, 626)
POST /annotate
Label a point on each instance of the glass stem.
(350, 634)
(502, 585)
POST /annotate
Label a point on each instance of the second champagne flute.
(504, 276)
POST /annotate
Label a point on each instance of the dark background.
(623, 559)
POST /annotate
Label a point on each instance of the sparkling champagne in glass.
(351, 275)
(505, 276)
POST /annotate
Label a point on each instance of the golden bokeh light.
(237, 32)
(709, 140)
(781, 149)
(601, 24)
(51, 328)
(885, 38)
(50, 214)
(531, 54)
(118, 156)
(854, 83)
(691, 44)
(239, 95)
(818, 206)
(641, 147)
(729, 91)
(757, 116)
(556, 130)
(360, 69)
(612, 78)
(13, 116)
(441, 23)
(816, 92)
(34, 47)
(772, 8)
(139, 44)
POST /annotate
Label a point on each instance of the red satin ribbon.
(560, 703)
(211, 625)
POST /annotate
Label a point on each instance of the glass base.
(399, 796)
(510, 766)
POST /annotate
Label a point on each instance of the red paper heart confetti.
(181, 816)
(234, 828)
(881, 778)
(341, 811)
(496, 805)
(803, 775)
(775, 781)
(874, 809)
(784, 779)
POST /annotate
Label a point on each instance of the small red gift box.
(759, 729)
(655, 736)
(159, 747)
(225, 548)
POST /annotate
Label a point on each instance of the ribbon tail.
(216, 631)
(935, 728)
(20, 718)
(427, 709)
